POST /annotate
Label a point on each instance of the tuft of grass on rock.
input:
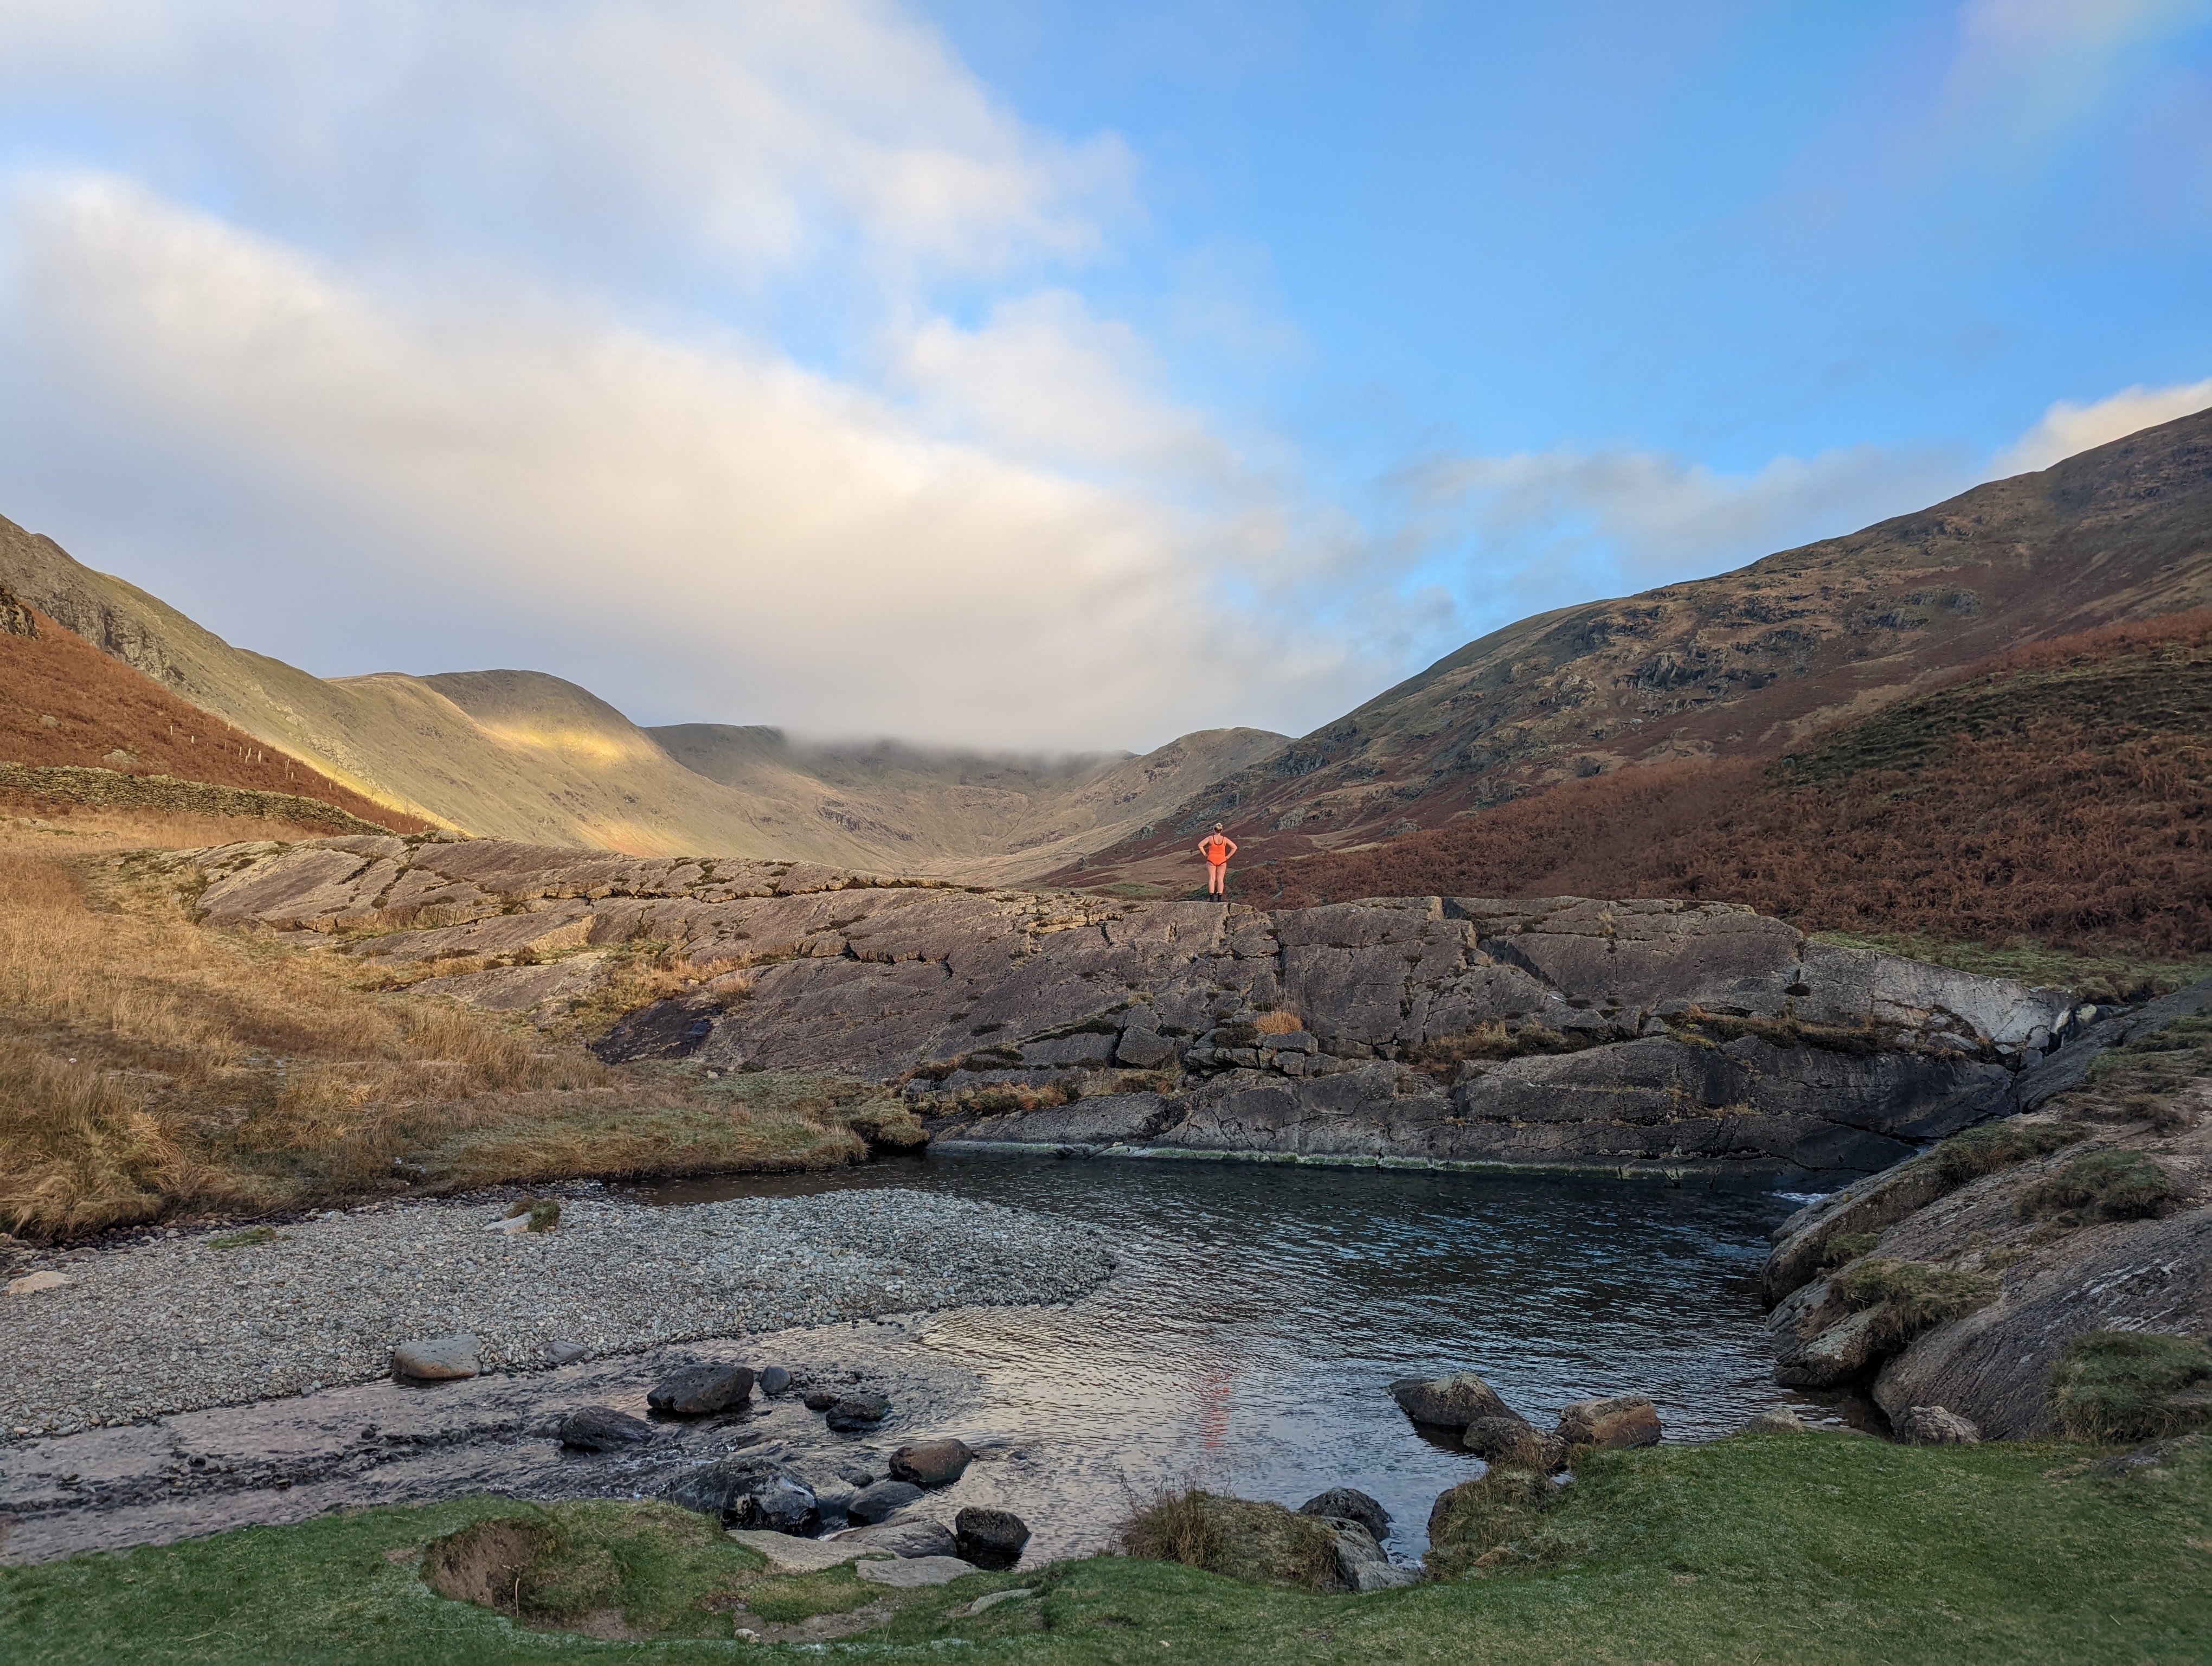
(1996, 1146)
(1499, 1519)
(1914, 1296)
(2102, 1185)
(1262, 1544)
(1846, 1247)
(244, 1238)
(2129, 1385)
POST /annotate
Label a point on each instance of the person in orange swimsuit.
(1216, 847)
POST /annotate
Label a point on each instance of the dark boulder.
(1351, 1505)
(881, 1501)
(857, 1411)
(1448, 1402)
(602, 1429)
(783, 1504)
(701, 1390)
(1513, 1443)
(773, 1380)
(820, 1400)
(748, 1492)
(932, 1462)
(991, 1539)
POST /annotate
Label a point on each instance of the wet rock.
(1622, 1419)
(1774, 1420)
(442, 1359)
(820, 1400)
(1515, 1442)
(1349, 1504)
(701, 1390)
(883, 1501)
(602, 1429)
(1841, 1353)
(857, 1411)
(932, 1462)
(1451, 1402)
(907, 1574)
(912, 1537)
(832, 1492)
(754, 1491)
(566, 1354)
(990, 1538)
(782, 1503)
(775, 1380)
(1360, 1563)
(1933, 1426)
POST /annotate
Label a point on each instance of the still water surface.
(1260, 1310)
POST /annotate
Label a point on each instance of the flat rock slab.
(442, 1359)
(805, 1555)
(914, 1571)
(30, 1283)
(990, 1600)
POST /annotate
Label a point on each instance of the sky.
(1031, 375)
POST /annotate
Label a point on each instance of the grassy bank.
(1807, 1548)
(149, 1068)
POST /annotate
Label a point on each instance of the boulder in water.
(932, 1462)
(990, 1538)
(1448, 1402)
(701, 1390)
(1350, 1504)
(602, 1429)
(1622, 1419)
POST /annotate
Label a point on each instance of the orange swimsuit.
(1215, 849)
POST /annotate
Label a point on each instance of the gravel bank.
(178, 1325)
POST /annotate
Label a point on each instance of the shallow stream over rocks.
(1244, 1340)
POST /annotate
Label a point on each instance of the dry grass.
(1266, 1544)
(149, 1066)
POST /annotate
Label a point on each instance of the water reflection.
(1261, 1309)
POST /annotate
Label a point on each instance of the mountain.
(524, 756)
(63, 704)
(1745, 664)
(943, 807)
(2060, 793)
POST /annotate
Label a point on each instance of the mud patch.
(485, 1563)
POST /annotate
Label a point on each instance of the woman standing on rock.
(1216, 847)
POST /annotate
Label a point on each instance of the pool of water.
(1261, 1310)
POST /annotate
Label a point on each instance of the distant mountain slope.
(2062, 792)
(976, 816)
(1745, 664)
(520, 755)
(63, 702)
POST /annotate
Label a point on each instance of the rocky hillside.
(66, 706)
(2049, 1273)
(521, 755)
(1748, 664)
(1654, 1038)
(2061, 793)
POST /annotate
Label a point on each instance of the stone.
(1144, 1049)
(1515, 1443)
(796, 1555)
(1622, 1419)
(1449, 1402)
(30, 1283)
(1774, 1420)
(820, 1400)
(857, 1411)
(990, 1538)
(1360, 1563)
(909, 1573)
(701, 1390)
(991, 1600)
(932, 1462)
(442, 1359)
(1349, 1504)
(775, 1380)
(914, 1535)
(602, 1429)
(782, 1503)
(566, 1354)
(1933, 1426)
(881, 1501)
(753, 1491)
(1841, 1353)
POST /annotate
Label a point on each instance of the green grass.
(1808, 1548)
(2116, 975)
(2104, 1185)
(2132, 1385)
(1915, 1297)
(246, 1239)
(2002, 1145)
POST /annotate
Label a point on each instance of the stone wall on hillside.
(1563, 1032)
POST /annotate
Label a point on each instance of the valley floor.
(1801, 1547)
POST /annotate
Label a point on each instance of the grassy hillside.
(1745, 664)
(2061, 793)
(64, 704)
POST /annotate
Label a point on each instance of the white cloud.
(2066, 427)
(724, 534)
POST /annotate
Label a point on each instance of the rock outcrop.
(1564, 1032)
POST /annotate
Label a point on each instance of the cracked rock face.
(1681, 1035)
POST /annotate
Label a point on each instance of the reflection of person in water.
(1217, 1398)
(1216, 847)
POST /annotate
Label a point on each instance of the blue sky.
(1028, 373)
